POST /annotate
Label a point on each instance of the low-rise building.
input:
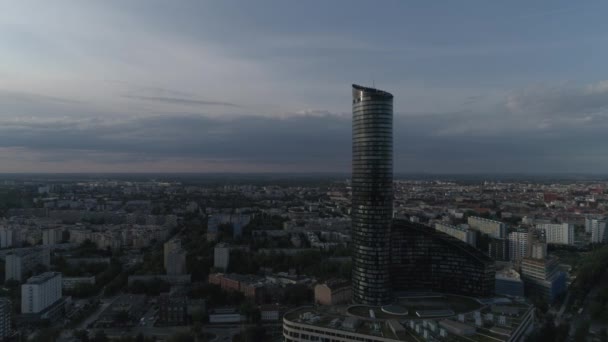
(333, 292)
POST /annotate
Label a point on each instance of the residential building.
(495, 229)
(461, 233)
(22, 262)
(40, 292)
(518, 245)
(174, 257)
(598, 230)
(52, 236)
(221, 257)
(557, 233)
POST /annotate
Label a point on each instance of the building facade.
(518, 245)
(5, 318)
(372, 194)
(542, 278)
(597, 228)
(221, 257)
(557, 233)
(333, 293)
(22, 263)
(463, 234)
(40, 292)
(423, 259)
(495, 229)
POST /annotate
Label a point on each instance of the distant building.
(464, 234)
(493, 228)
(270, 312)
(7, 238)
(69, 283)
(333, 292)
(40, 292)
(174, 257)
(221, 257)
(558, 233)
(21, 263)
(518, 245)
(498, 249)
(5, 318)
(52, 236)
(598, 230)
(172, 310)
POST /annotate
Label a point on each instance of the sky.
(264, 86)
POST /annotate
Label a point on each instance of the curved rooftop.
(372, 91)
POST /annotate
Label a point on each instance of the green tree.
(100, 336)
(580, 335)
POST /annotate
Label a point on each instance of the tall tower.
(372, 187)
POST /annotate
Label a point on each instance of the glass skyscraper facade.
(372, 194)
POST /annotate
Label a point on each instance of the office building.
(557, 233)
(40, 292)
(5, 318)
(221, 257)
(372, 194)
(424, 259)
(518, 245)
(493, 228)
(22, 263)
(461, 233)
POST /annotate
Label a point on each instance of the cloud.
(181, 101)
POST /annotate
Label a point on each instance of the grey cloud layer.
(542, 130)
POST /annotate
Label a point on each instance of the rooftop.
(41, 278)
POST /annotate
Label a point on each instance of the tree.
(182, 337)
(81, 335)
(580, 335)
(100, 336)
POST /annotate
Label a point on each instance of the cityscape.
(133, 210)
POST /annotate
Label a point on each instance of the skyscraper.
(372, 194)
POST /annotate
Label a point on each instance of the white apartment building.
(558, 233)
(493, 228)
(518, 245)
(464, 234)
(7, 238)
(597, 228)
(40, 292)
(221, 257)
(52, 236)
(19, 263)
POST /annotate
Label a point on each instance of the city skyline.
(237, 87)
